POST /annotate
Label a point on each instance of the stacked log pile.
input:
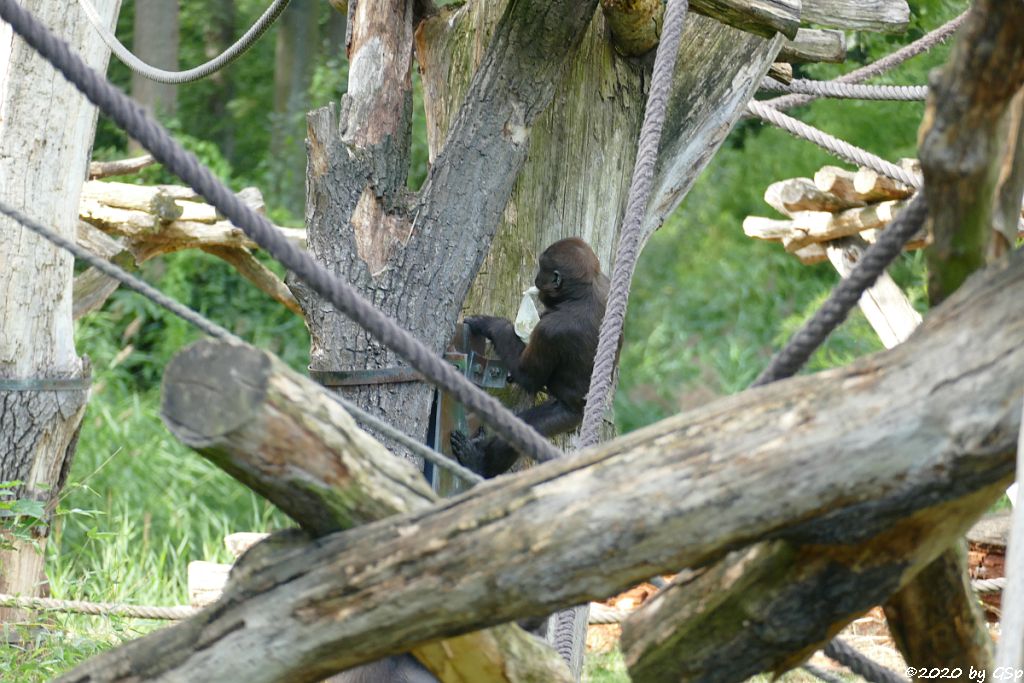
(130, 224)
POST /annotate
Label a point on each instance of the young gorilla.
(559, 357)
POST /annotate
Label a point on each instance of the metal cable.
(240, 47)
(879, 67)
(631, 238)
(844, 653)
(832, 144)
(851, 91)
(847, 293)
(151, 135)
(218, 332)
(98, 608)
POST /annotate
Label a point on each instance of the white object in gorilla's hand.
(528, 315)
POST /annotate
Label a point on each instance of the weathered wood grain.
(964, 139)
(928, 424)
(281, 435)
(814, 45)
(890, 16)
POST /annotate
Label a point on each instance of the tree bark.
(281, 435)
(45, 135)
(927, 432)
(964, 140)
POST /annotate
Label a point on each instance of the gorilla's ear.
(557, 279)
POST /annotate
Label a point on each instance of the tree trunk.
(217, 36)
(155, 41)
(45, 136)
(298, 46)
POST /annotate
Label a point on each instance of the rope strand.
(631, 238)
(239, 48)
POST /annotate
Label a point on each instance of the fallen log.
(280, 434)
(917, 428)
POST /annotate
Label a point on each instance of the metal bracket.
(66, 384)
(354, 378)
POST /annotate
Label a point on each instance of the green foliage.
(709, 305)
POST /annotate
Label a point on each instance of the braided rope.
(989, 585)
(832, 144)
(821, 674)
(844, 653)
(850, 91)
(218, 332)
(239, 48)
(139, 125)
(98, 608)
(631, 238)
(881, 66)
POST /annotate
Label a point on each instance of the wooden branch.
(1006, 218)
(264, 278)
(964, 139)
(918, 428)
(760, 17)
(105, 169)
(884, 305)
(781, 72)
(807, 227)
(801, 194)
(148, 199)
(635, 25)
(936, 617)
(769, 607)
(283, 436)
(837, 181)
(889, 16)
(814, 45)
(92, 288)
(872, 186)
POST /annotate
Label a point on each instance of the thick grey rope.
(821, 674)
(218, 332)
(98, 608)
(240, 47)
(832, 144)
(631, 238)
(138, 124)
(879, 67)
(844, 653)
(850, 91)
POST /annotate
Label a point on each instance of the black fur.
(559, 357)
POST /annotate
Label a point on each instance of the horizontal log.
(781, 72)
(872, 186)
(832, 459)
(808, 227)
(888, 16)
(814, 45)
(801, 194)
(281, 435)
(146, 198)
(106, 169)
(837, 181)
(761, 17)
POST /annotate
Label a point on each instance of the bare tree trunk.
(155, 41)
(219, 34)
(298, 45)
(45, 136)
